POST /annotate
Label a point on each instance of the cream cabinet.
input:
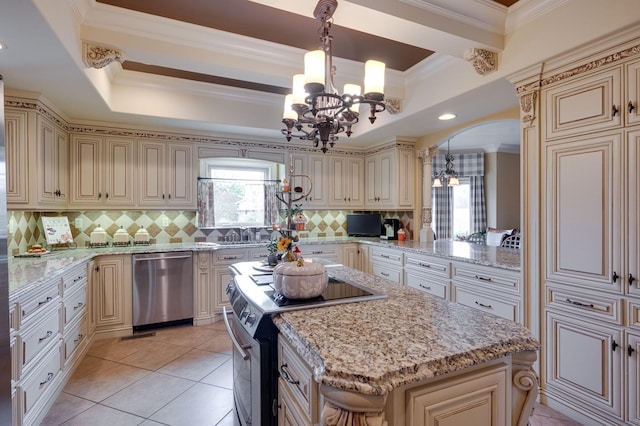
(314, 166)
(346, 182)
(18, 165)
(351, 256)
(113, 295)
(203, 287)
(166, 175)
(53, 160)
(298, 396)
(428, 274)
(102, 172)
(387, 263)
(390, 179)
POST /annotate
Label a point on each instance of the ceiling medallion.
(315, 110)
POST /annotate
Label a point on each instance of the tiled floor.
(179, 376)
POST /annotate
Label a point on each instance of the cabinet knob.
(614, 111)
(99, 195)
(615, 276)
(630, 279)
(106, 195)
(630, 107)
(630, 350)
(614, 346)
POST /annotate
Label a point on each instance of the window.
(239, 191)
(461, 208)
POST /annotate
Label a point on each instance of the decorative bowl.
(300, 282)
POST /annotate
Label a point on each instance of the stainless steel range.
(253, 304)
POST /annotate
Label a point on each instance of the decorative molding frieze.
(527, 106)
(95, 56)
(393, 105)
(483, 61)
(427, 155)
(427, 216)
(589, 66)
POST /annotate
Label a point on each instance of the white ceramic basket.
(300, 282)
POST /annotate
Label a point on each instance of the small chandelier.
(315, 110)
(448, 176)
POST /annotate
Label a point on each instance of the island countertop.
(374, 347)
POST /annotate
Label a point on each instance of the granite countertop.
(376, 346)
(25, 273)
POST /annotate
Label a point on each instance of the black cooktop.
(337, 289)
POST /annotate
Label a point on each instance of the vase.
(272, 259)
(288, 256)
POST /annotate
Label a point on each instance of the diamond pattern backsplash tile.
(25, 227)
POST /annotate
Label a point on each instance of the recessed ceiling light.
(447, 116)
(2, 46)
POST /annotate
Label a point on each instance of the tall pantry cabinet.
(589, 214)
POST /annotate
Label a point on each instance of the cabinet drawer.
(73, 338)
(257, 256)
(74, 277)
(426, 284)
(428, 265)
(584, 105)
(508, 309)
(15, 358)
(384, 271)
(330, 252)
(297, 379)
(36, 338)
(290, 412)
(74, 304)
(13, 318)
(387, 256)
(582, 302)
(633, 310)
(487, 277)
(229, 256)
(39, 380)
(29, 308)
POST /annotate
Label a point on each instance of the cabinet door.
(351, 256)
(203, 286)
(318, 174)
(371, 190)
(16, 154)
(633, 362)
(118, 172)
(631, 280)
(584, 361)
(355, 182)
(584, 105)
(114, 293)
(633, 93)
(180, 177)
(584, 209)
(386, 179)
(222, 277)
(338, 186)
(405, 187)
(151, 165)
(86, 172)
(53, 150)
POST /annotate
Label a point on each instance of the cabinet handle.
(230, 257)
(97, 269)
(614, 345)
(317, 252)
(99, 195)
(424, 265)
(584, 305)
(169, 196)
(615, 276)
(631, 279)
(80, 337)
(483, 305)
(630, 350)
(47, 300)
(106, 195)
(630, 107)
(614, 111)
(478, 277)
(163, 196)
(78, 306)
(384, 274)
(286, 376)
(49, 334)
(385, 256)
(49, 378)
(426, 287)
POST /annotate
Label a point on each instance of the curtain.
(206, 217)
(270, 203)
(477, 204)
(442, 204)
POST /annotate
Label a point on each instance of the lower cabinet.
(351, 256)
(387, 263)
(298, 398)
(428, 274)
(112, 282)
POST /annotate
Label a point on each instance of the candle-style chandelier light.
(448, 176)
(315, 110)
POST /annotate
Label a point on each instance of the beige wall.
(502, 189)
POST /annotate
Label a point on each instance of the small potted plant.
(272, 258)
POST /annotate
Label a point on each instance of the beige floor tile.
(221, 376)
(550, 421)
(221, 343)
(191, 338)
(155, 356)
(218, 325)
(65, 407)
(152, 423)
(199, 405)
(148, 395)
(91, 364)
(195, 364)
(230, 419)
(116, 349)
(99, 415)
(104, 383)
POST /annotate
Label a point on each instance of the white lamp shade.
(299, 94)
(352, 89)
(288, 112)
(314, 68)
(453, 181)
(374, 77)
(437, 183)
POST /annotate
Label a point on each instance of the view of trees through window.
(239, 195)
(461, 209)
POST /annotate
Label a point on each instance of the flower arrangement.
(285, 244)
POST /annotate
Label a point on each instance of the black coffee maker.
(390, 229)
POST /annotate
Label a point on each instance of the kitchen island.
(404, 359)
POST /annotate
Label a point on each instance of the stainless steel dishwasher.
(162, 289)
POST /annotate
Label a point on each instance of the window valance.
(471, 164)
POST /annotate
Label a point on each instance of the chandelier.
(448, 176)
(315, 110)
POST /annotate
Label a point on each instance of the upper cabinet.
(166, 175)
(53, 158)
(102, 173)
(314, 166)
(346, 182)
(16, 153)
(390, 179)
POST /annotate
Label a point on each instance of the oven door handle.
(239, 347)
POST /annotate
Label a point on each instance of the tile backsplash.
(25, 227)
